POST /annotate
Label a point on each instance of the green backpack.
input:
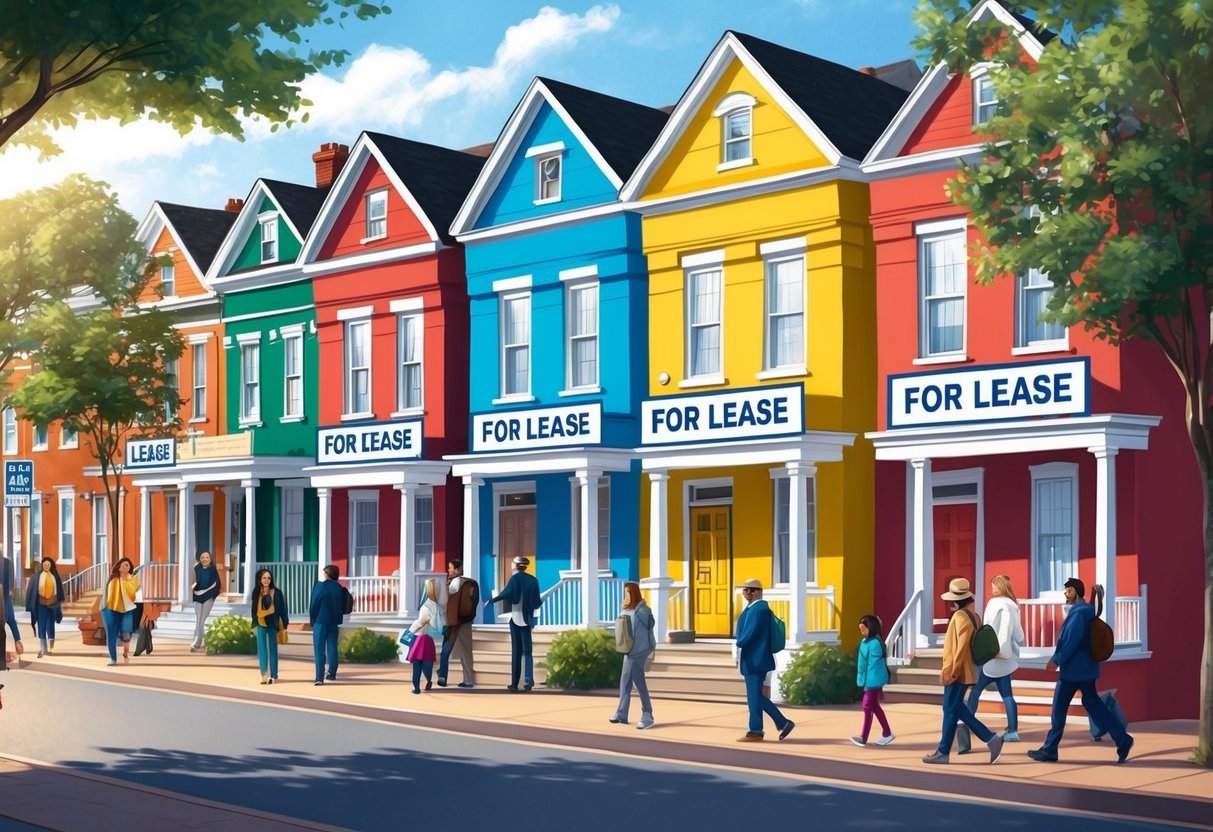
(779, 634)
(984, 645)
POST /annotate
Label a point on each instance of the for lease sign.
(373, 442)
(541, 427)
(150, 453)
(749, 413)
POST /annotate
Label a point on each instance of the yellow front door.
(711, 566)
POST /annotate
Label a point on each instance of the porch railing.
(85, 581)
(821, 611)
(899, 644)
(375, 594)
(158, 581)
(295, 579)
(678, 608)
(562, 601)
(1042, 619)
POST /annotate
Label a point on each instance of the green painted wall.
(288, 244)
(269, 522)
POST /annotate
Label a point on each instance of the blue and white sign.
(150, 453)
(544, 427)
(750, 413)
(369, 442)
(991, 393)
(18, 483)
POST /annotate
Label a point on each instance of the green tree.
(183, 62)
(1100, 172)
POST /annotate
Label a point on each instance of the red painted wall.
(403, 227)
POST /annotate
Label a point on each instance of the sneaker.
(107, 664)
(936, 758)
(512, 688)
(318, 682)
(1042, 756)
(860, 741)
(416, 690)
(750, 736)
(645, 722)
(465, 685)
(1122, 750)
(617, 720)
(332, 677)
(271, 681)
(429, 685)
(995, 746)
(786, 729)
(1011, 736)
(886, 740)
(442, 683)
(39, 654)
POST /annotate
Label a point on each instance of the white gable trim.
(244, 225)
(927, 162)
(156, 221)
(696, 97)
(343, 188)
(740, 190)
(552, 221)
(507, 146)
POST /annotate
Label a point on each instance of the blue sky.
(450, 73)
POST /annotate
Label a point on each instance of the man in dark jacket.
(463, 598)
(10, 617)
(757, 660)
(1079, 670)
(326, 611)
(521, 597)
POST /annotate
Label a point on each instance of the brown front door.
(711, 568)
(955, 549)
(516, 536)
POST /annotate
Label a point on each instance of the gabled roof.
(198, 231)
(842, 110)
(615, 133)
(300, 203)
(297, 205)
(432, 180)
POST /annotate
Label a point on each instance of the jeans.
(760, 704)
(954, 711)
(633, 674)
(202, 611)
(46, 623)
(422, 667)
(115, 623)
(521, 653)
(267, 650)
(871, 707)
(324, 642)
(1063, 695)
(461, 637)
(1003, 684)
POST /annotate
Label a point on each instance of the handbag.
(282, 635)
(407, 637)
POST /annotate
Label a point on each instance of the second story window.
(68, 437)
(41, 437)
(704, 322)
(269, 238)
(582, 350)
(10, 431)
(173, 381)
(737, 136)
(736, 114)
(292, 394)
(409, 346)
(516, 344)
(376, 215)
(250, 382)
(548, 171)
(357, 367)
(1032, 295)
(67, 525)
(784, 333)
(168, 280)
(985, 102)
(199, 386)
(941, 279)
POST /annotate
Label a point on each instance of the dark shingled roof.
(622, 131)
(300, 202)
(438, 178)
(200, 231)
(1040, 32)
(851, 108)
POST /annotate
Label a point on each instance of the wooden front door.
(711, 568)
(515, 536)
(955, 549)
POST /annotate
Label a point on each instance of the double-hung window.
(292, 524)
(985, 100)
(292, 354)
(942, 269)
(10, 431)
(172, 380)
(423, 532)
(581, 350)
(783, 550)
(67, 525)
(736, 115)
(170, 525)
(68, 438)
(410, 348)
(364, 533)
(516, 344)
(41, 437)
(1054, 525)
(358, 367)
(376, 215)
(250, 380)
(101, 547)
(705, 323)
(35, 527)
(1032, 291)
(168, 280)
(269, 237)
(198, 403)
(784, 333)
(548, 170)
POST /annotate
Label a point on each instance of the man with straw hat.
(756, 661)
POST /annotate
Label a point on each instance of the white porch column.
(659, 581)
(185, 561)
(922, 544)
(250, 536)
(1105, 528)
(408, 549)
(588, 483)
(145, 525)
(324, 542)
(798, 547)
(471, 536)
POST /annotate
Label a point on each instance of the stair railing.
(85, 581)
(899, 644)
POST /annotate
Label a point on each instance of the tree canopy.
(183, 62)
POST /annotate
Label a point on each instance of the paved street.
(363, 774)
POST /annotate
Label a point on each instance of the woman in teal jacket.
(872, 675)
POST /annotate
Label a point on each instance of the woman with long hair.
(118, 612)
(871, 676)
(205, 591)
(640, 619)
(1002, 613)
(427, 632)
(269, 621)
(44, 600)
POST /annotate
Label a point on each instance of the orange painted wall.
(187, 282)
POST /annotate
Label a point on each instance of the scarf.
(264, 612)
(120, 594)
(46, 588)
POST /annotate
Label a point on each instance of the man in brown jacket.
(959, 674)
(463, 599)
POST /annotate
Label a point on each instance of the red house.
(1017, 447)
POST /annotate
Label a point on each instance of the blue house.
(557, 284)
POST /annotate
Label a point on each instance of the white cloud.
(206, 169)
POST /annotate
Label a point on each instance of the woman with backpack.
(1002, 613)
(872, 675)
(637, 618)
(427, 632)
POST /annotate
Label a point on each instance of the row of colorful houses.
(737, 337)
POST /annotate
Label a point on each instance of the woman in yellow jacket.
(119, 610)
(958, 674)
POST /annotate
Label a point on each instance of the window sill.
(63, 448)
(366, 240)
(551, 200)
(357, 417)
(736, 163)
(783, 372)
(197, 420)
(581, 391)
(516, 399)
(703, 381)
(408, 412)
(1039, 349)
(951, 358)
(252, 423)
(38, 449)
(269, 262)
(289, 419)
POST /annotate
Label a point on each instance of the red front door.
(955, 549)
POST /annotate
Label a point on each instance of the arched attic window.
(736, 114)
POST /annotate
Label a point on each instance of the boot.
(51, 649)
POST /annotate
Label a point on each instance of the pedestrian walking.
(205, 590)
(44, 600)
(118, 612)
(521, 597)
(1002, 613)
(756, 661)
(325, 611)
(462, 601)
(871, 676)
(1078, 672)
(427, 630)
(640, 622)
(958, 673)
(9, 615)
(270, 620)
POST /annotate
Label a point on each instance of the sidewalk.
(1156, 783)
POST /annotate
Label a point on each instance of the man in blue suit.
(326, 611)
(521, 596)
(1079, 670)
(757, 660)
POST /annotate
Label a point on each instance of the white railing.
(821, 611)
(677, 608)
(899, 644)
(1130, 620)
(85, 581)
(158, 581)
(561, 605)
(295, 580)
(1042, 619)
(375, 594)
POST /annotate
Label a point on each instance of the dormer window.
(269, 237)
(168, 280)
(376, 215)
(736, 114)
(985, 102)
(549, 171)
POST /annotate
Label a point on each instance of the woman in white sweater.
(1002, 613)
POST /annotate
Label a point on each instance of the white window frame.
(376, 220)
(1053, 471)
(1034, 280)
(68, 438)
(268, 222)
(604, 522)
(172, 538)
(730, 106)
(198, 363)
(690, 275)
(101, 528)
(574, 289)
(775, 254)
(983, 83)
(355, 497)
(289, 493)
(781, 482)
(545, 195)
(927, 234)
(172, 378)
(43, 441)
(353, 325)
(403, 407)
(67, 497)
(168, 280)
(423, 554)
(504, 348)
(11, 434)
(250, 400)
(292, 338)
(35, 528)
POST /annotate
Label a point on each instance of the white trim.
(578, 288)
(782, 372)
(588, 390)
(559, 220)
(1043, 347)
(354, 313)
(1052, 471)
(290, 329)
(370, 258)
(947, 226)
(715, 257)
(520, 398)
(714, 380)
(199, 337)
(366, 217)
(551, 148)
(734, 101)
(62, 493)
(361, 496)
(357, 417)
(262, 278)
(779, 252)
(413, 304)
(579, 272)
(737, 163)
(409, 411)
(550, 200)
(789, 246)
(510, 284)
(846, 170)
(418, 314)
(290, 333)
(254, 315)
(148, 232)
(965, 476)
(243, 338)
(947, 358)
(929, 161)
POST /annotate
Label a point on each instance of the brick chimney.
(234, 205)
(329, 159)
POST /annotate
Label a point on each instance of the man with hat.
(756, 661)
(521, 597)
(958, 674)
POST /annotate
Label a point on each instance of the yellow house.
(762, 342)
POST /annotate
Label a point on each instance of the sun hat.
(752, 583)
(958, 590)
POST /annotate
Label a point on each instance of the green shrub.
(583, 660)
(229, 634)
(820, 674)
(363, 646)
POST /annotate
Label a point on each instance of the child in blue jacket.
(872, 676)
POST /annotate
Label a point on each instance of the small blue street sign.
(18, 483)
